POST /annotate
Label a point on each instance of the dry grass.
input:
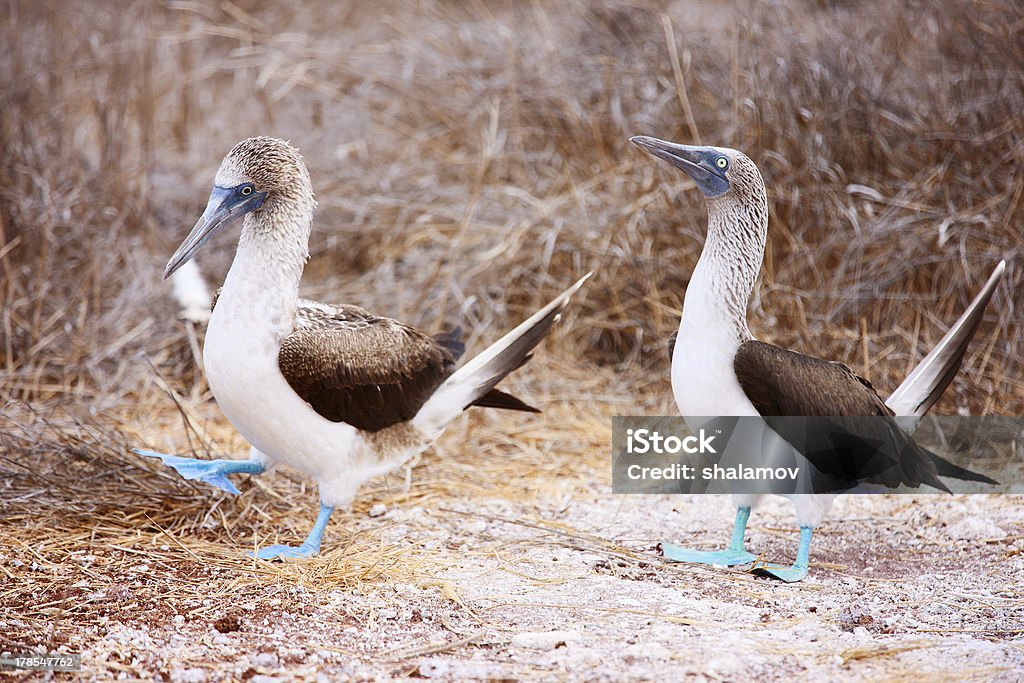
(470, 160)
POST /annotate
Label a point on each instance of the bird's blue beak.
(225, 206)
(696, 162)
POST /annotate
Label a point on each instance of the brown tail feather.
(496, 398)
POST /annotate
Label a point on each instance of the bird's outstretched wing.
(361, 369)
(857, 439)
(926, 382)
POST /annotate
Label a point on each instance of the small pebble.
(545, 640)
(266, 660)
(435, 668)
(195, 675)
(974, 529)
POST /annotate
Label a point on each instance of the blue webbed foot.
(309, 547)
(788, 574)
(726, 558)
(285, 552)
(733, 555)
(798, 571)
(212, 472)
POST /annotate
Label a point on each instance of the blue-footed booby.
(333, 391)
(720, 369)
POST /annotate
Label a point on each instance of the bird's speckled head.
(265, 179)
(272, 166)
(719, 172)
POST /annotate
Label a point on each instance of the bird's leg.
(799, 569)
(213, 472)
(309, 547)
(733, 554)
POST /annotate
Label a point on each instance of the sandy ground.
(567, 585)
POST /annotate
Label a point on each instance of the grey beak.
(225, 205)
(694, 161)
(683, 157)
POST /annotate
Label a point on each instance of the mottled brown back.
(357, 368)
(782, 383)
(371, 372)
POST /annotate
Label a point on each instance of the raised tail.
(926, 382)
(474, 383)
(495, 398)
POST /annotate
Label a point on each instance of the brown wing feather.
(782, 383)
(357, 368)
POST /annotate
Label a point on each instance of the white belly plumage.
(240, 358)
(703, 381)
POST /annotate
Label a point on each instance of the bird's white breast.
(703, 380)
(240, 357)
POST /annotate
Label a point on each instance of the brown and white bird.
(333, 391)
(719, 369)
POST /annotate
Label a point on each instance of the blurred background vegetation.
(471, 159)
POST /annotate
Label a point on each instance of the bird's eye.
(721, 162)
(247, 190)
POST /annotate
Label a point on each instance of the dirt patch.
(558, 582)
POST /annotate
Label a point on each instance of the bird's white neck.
(263, 283)
(715, 306)
(714, 321)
